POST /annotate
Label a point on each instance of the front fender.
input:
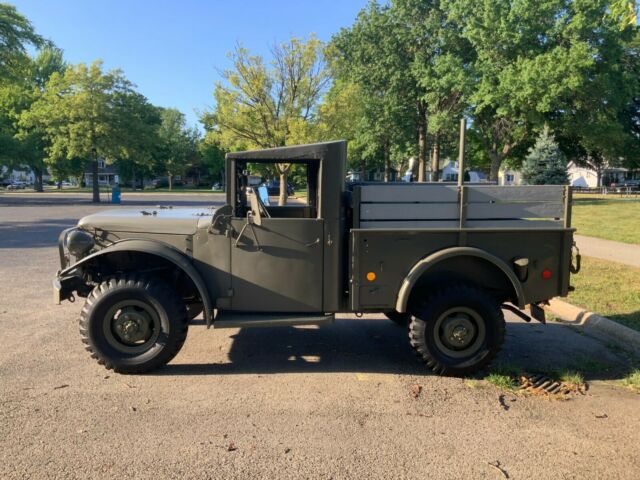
(428, 262)
(160, 249)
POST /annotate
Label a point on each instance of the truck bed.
(397, 225)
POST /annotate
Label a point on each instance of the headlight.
(79, 243)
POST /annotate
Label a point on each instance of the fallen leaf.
(64, 385)
(232, 447)
(416, 390)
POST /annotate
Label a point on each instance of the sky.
(173, 50)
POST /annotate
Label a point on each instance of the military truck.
(443, 260)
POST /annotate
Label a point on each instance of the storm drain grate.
(544, 385)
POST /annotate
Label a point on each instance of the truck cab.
(441, 260)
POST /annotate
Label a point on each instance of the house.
(20, 174)
(107, 174)
(450, 174)
(509, 176)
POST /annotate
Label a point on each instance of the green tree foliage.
(16, 34)
(262, 105)
(25, 147)
(553, 61)
(178, 145)
(86, 113)
(371, 54)
(545, 164)
(212, 157)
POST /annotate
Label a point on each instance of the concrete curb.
(595, 324)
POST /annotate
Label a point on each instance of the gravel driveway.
(341, 401)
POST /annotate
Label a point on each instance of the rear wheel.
(458, 330)
(133, 324)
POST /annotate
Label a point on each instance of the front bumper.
(65, 284)
(63, 288)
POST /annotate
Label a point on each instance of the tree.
(177, 143)
(545, 164)
(440, 59)
(82, 115)
(260, 104)
(16, 33)
(531, 59)
(373, 56)
(212, 157)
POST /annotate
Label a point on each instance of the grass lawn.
(610, 218)
(610, 289)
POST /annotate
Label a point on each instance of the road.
(328, 402)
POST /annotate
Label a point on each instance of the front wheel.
(458, 330)
(133, 324)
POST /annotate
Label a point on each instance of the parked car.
(217, 186)
(626, 185)
(17, 186)
(273, 187)
(163, 182)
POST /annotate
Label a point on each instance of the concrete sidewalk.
(619, 252)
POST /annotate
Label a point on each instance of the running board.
(246, 320)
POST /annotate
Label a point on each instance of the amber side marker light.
(371, 276)
(546, 274)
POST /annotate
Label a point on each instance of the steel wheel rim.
(131, 326)
(459, 332)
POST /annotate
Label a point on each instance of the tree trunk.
(95, 184)
(387, 162)
(282, 199)
(435, 159)
(422, 143)
(133, 179)
(170, 177)
(363, 170)
(38, 187)
(496, 161)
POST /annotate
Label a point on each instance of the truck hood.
(179, 221)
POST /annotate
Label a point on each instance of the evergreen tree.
(545, 164)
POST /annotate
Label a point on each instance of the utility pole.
(463, 129)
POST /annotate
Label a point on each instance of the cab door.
(277, 266)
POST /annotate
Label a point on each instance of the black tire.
(457, 330)
(149, 313)
(398, 318)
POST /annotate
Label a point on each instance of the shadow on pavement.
(33, 234)
(379, 346)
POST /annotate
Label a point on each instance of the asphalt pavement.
(348, 400)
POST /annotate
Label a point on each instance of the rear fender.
(423, 266)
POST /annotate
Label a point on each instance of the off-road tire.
(159, 298)
(428, 343)
(398, 318)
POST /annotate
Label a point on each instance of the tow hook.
(575, 268)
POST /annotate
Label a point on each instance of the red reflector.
(546, 274)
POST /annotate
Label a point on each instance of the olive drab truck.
(442, 260)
